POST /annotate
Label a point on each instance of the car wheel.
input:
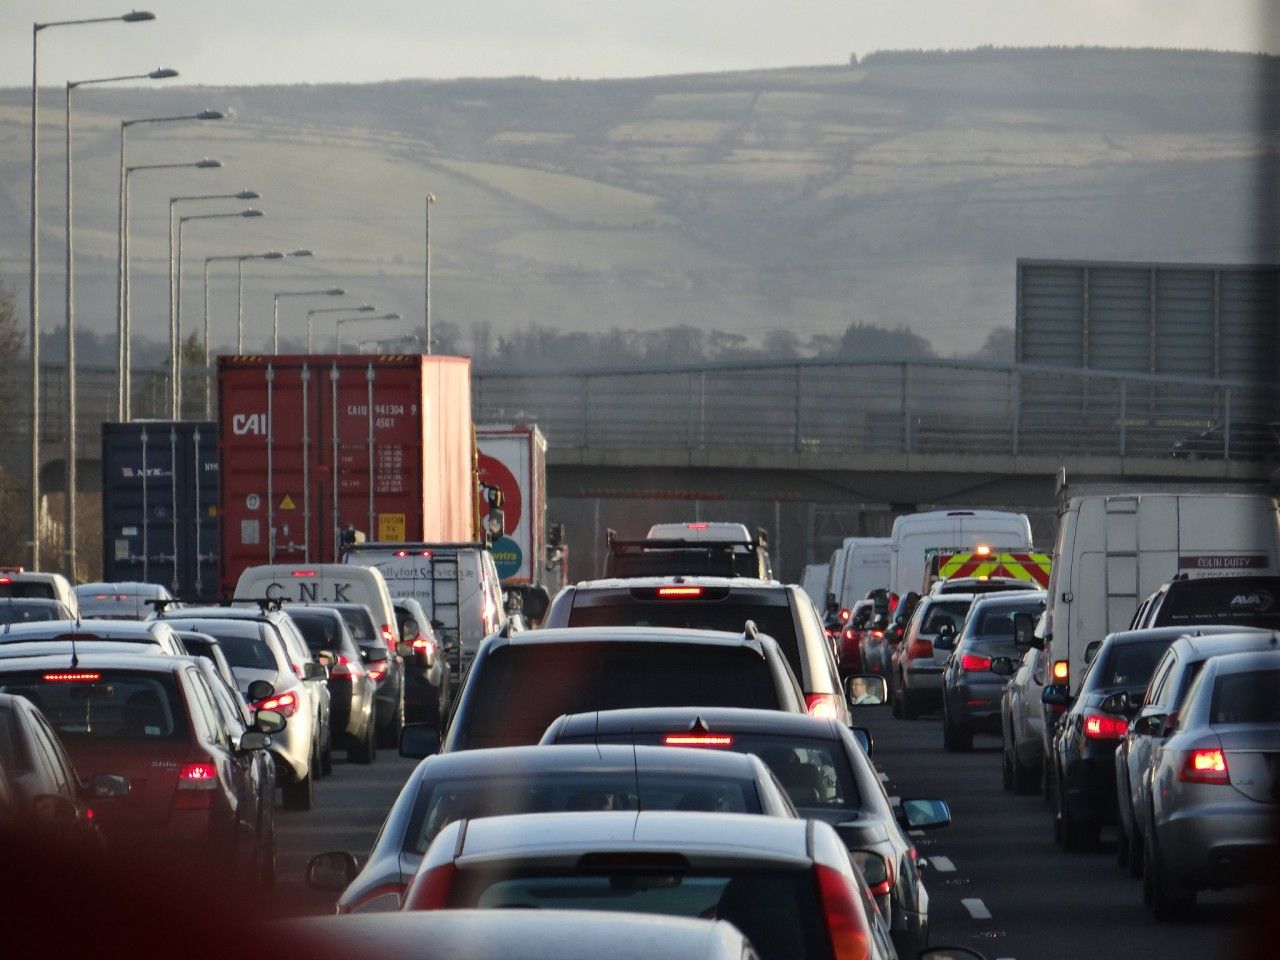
(1025, 780)
(1006, 768)
(367, 748)
(267, 859)
(389, 735)
(1122, 844)
(326, 756)
(910, 702)
(1166, 898)
(300, 794)
(896, 698)
(1076, 835)
(1135, 856)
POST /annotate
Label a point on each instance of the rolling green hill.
(896, 191)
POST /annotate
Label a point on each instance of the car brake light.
(6, 580)
(1206, 765)
(698, 740)
(841, 910)
(919, 649)
(402, 553)
(430, 890)
(388, 636)
(285, 704)
(974, 663)
(875, 869)
(1101, 726)
(341, 670)
(303, 573)
(196, 784)
(696, 526)
(377, 673)
(878, 634)
(1061, 671)
(72, 677)
(425, 645)
(821, 705)
(849, 633)
(844, 614)
(672, 592)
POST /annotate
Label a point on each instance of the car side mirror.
(314, 671)
(865, 740)
(1117, 704)
(1024, 632)
(1091, 651)
(253, 740)
(332, 871)
(946, 638)
(1003, 667)
(873, 867)
(259, 690)
(268, 721)
(109, 785)
(924, 813)
(54, 810)
(1056, 695)
(1150, 725)
(375, 654)
(866, 690)
(419, 740)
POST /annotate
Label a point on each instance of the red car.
(155, 721)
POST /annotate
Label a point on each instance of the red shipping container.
(314, 445)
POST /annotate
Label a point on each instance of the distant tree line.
(993, 54)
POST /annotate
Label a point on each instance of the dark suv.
(783, 612)
(1240, 601)
(519, 683)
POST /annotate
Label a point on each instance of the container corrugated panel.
(160, 505)
(315, 446)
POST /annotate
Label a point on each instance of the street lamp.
(69, 512)
(426, 272)
(240, 289)
(175, 292)
(123, 359)
(124, 320)
(363, 308)
(239, 258)
(337, 327)
(275, 309)
(135, 16)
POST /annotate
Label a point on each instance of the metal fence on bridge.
(928, 407)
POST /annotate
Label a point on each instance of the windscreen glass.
(777, 910)
(572, 791)
(1246, 698)
(729, 615)
(103, 705)
(1246, 601)
(33, 611)
(521, 689)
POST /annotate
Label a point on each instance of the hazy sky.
(309, 41)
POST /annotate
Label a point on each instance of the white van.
(866, 568)
(917, 537)
(323, 583)
(456, 583)
(17, 582)
(1114, 551)
(814, 582)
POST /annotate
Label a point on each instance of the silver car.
(1215, 785)
(1022, 724)
(915, 666)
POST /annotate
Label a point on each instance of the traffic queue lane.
(997, 881)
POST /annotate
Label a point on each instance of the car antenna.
(75, 657)
(635, 763)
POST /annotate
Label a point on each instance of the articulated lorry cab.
(1114, 551)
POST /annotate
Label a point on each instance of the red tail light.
(850, 633)
(974, 663)
(72, 677)
(844, 614)
(285, 704)
(377, 673)
(196, 785)
(1206, 765)
(406, 553)
(342, 669)
(5, 581)
(676, 592)
(1102, 726)
(919, 649)
(698, 740)
(821, 705)
(430, 890)
(388, 636)
(696, 526)
(847, 925)
(878, 634)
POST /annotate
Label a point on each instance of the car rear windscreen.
(996, 620)
(1131, 664)
(521, 689)
(571, 791)
(777, 909)
(28, 588)
(1244, 601)
(1246, 698)
(771, 616)
(250, 652)
(103, 705)
(320, 630)
(30, 612)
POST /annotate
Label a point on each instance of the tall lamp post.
(69, 511)
(175, 324)
(135, 16)
(337, 327)
(240, 289)
(239, 258)
(122, 248)
(426, 272)
(275, 309)
(363, 308)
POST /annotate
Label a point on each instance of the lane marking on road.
(977, 909)
(942, 864)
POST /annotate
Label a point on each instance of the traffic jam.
(689, 756)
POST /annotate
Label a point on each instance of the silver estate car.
(1215, 785)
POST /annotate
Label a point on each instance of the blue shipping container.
(160, 505)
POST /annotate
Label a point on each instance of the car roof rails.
(161, 604)
(265, 604)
